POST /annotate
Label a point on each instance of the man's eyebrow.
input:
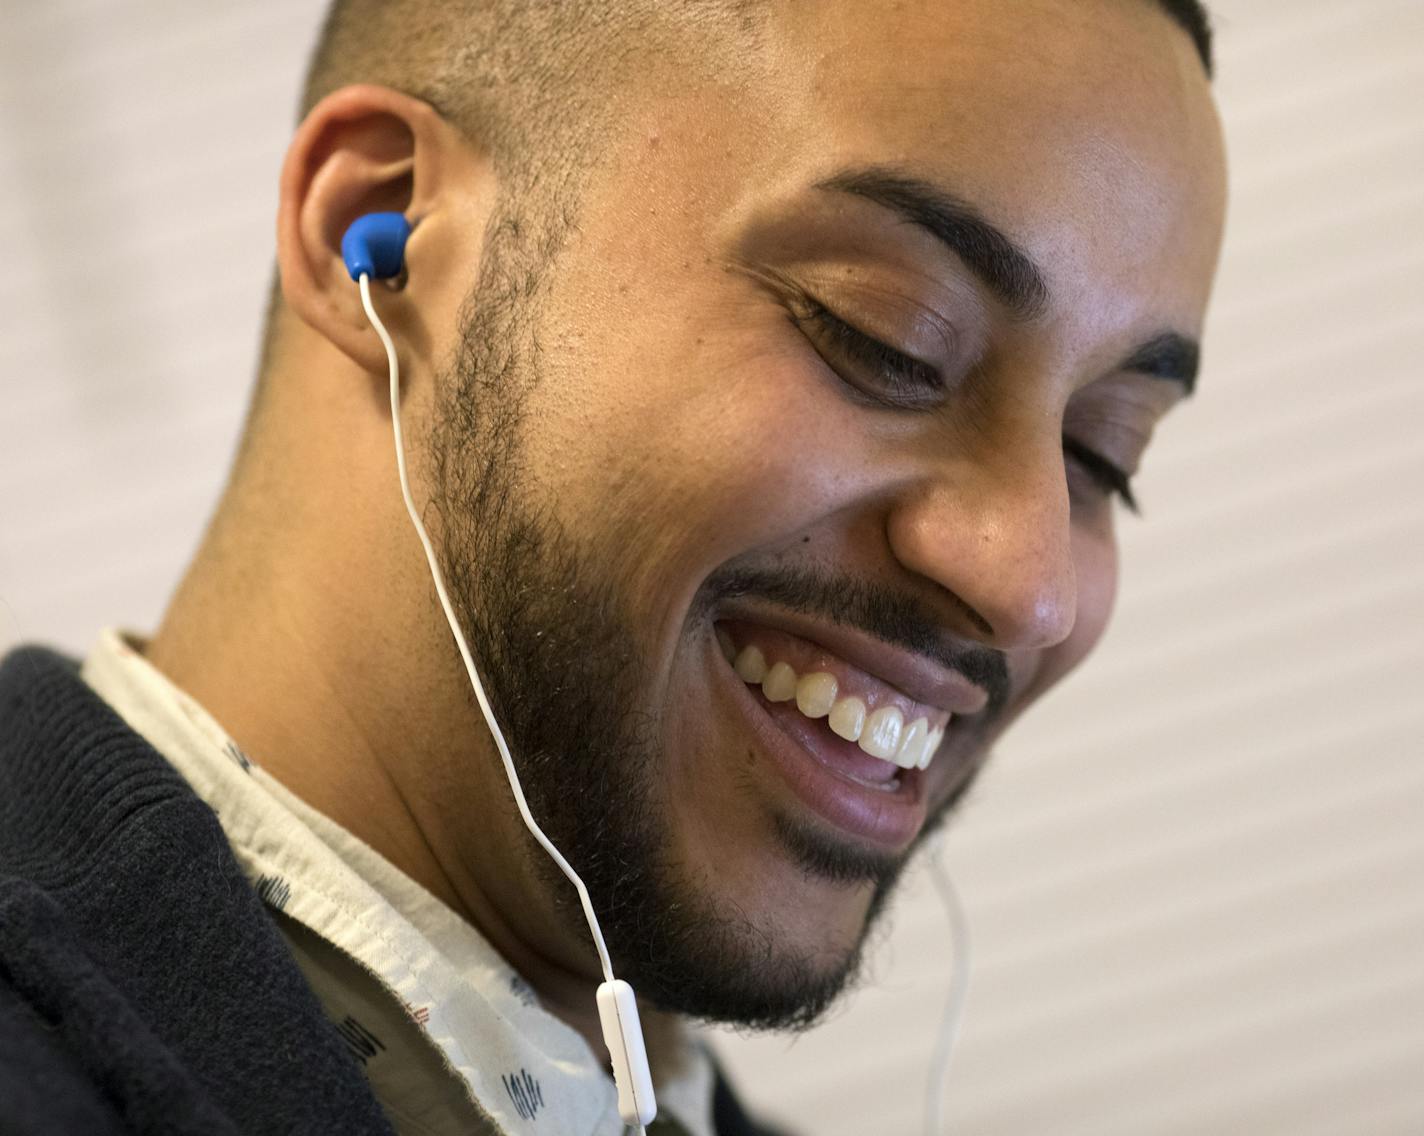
(1004, 268)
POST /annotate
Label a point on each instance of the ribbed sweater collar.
(121, 902)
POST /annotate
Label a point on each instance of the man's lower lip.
(890, 817)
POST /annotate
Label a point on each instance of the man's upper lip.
(913, 675)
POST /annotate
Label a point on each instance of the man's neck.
(357, 741)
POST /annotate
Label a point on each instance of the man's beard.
(549, 624)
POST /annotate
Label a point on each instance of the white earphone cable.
(498, 734)
(510, 772)
(958, 991)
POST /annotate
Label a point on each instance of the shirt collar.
(466, 997)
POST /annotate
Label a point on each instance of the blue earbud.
(375, 245)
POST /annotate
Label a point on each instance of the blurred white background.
(1196, 874)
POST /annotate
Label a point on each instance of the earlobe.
(361, 150)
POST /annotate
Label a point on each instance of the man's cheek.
(755, 479)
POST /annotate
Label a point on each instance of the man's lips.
(913, 675)
(863, 796)
(857, 706)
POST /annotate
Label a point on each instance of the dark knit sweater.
(143, 986)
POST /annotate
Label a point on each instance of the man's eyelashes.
(1108, 477)
(897, 372)
(902, 381)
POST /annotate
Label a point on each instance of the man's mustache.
(902, 620)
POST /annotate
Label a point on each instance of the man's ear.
(362, 149)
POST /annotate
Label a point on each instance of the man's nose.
(999, 537)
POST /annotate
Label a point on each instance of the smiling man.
(772, 376)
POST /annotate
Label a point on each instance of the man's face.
(704, 455)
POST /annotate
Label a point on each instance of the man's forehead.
(1086, 127)
(1046, 41)
(1118, 210)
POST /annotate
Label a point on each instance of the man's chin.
(823, 856)
(722, 961)
(747, 982)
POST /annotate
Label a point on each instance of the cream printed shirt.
(451, 1039)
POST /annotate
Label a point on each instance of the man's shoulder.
(75, 1054)
(136, 964)
(43, 1087)
(65, 755)
(134, 956)
(79, 788)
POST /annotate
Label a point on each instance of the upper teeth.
(882, 733)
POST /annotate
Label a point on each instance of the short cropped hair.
(538, 79)
(536, 82)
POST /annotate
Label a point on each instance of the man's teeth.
(779, 685)
(816, 694)
(882, 733)
(750, 664)
(881, 736)
(848, 718)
